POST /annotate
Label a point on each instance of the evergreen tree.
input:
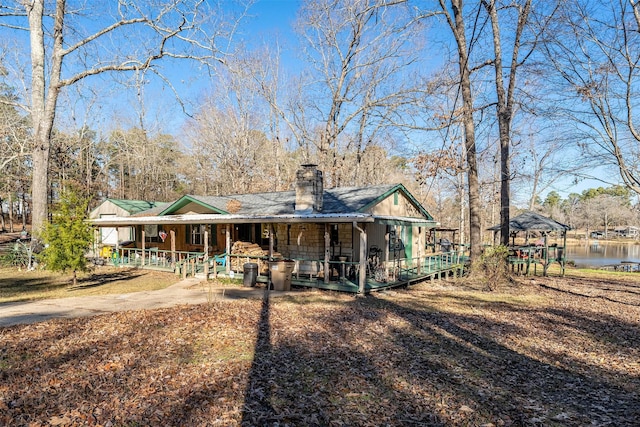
(68, 236)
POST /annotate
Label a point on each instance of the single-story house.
(319, 227)
(628, 231)
(110, 208)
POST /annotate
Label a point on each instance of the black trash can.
(250, 270)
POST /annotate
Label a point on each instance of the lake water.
(597, 254)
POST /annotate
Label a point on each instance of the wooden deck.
(401, 273)
(395, 273)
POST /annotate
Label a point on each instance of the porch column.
(546, 254)
(206, 252)
(387, 238)
(435, 240)
(271, 251)
(420, 244)
(172, 236)
(564, 250)
(271, 242)
(362, 280)
(228, 248)
(327, 252)
(144, 237)
(120, 259)
(96, 238)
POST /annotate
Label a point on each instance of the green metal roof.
(133, 206)
(185, 200)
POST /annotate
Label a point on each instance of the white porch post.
(144, 237)
(172, 236)
(228, 248)
(420, 245)
(271, 251)
(96, 238)
(206, 252)
(387, 238)
(271, 242)
(120, 260)
(546, 254)
(327, 252)
(362, 280)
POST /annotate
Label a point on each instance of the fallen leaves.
(426, 356)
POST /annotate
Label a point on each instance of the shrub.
(493, 266)
(17, 256)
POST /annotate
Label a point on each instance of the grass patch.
(17, 285)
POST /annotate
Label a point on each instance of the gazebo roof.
(531, 221)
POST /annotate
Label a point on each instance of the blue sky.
(268, 19)
(273, 16)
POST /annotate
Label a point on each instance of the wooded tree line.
(475, 106)
(596, 209)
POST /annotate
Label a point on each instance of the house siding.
(306, 240)
(389, 207)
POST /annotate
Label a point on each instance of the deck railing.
(190, 263)
(153, 258)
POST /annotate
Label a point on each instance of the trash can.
(281, 272)
(250, 274)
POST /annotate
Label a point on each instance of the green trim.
(408, 245)
(398, 188)
(416, 222)
(184, 201)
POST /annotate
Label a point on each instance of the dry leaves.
(549, 353)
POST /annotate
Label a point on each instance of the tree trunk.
(458, 28)
(10, 213)
(2, 224)
(505, 105)
(43, 103)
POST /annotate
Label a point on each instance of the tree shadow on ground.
(101, 279)
(377, 360)
(17, 286)
(380, 360)
(23, 286)
(319, 376)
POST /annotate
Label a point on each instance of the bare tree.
(455, 19)
(596, 54)
(605, 210)
(358, 51)
(143, 166)
(134, 38)
(505, 93)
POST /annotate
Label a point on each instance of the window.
(151, 233)
(195, 234)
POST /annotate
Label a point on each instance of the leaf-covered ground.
(544, 352)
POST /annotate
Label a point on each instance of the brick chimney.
(309, 189)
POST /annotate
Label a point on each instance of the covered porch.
(332, 252)
(337, 238)
(344, 276)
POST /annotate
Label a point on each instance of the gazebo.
(528, 254)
